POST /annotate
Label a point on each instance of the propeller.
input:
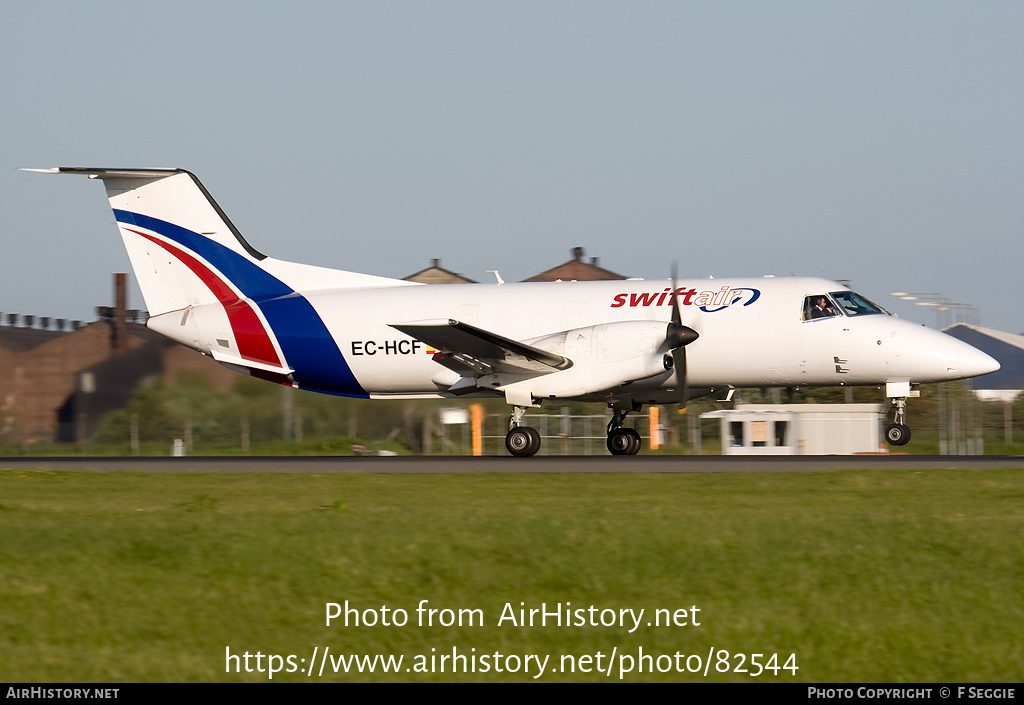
(678, 336)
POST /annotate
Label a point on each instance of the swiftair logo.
(707, 301)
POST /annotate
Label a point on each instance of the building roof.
(436, 274)
(576, 270)
(1006, 348)
(18, 339)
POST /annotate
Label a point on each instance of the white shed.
(800, 429)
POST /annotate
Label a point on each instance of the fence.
(564, 433)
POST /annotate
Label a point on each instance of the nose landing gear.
(898, 433)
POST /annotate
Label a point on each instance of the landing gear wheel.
(897, 434)
(522, 441)
(624, 441)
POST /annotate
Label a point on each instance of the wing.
(465, 348)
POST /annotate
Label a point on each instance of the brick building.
(56, 385)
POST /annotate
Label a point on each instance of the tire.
(624, 441)
(636, 443)
(522, 441)
(897, 434)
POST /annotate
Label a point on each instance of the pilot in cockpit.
(821, 308)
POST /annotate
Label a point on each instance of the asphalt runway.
(507, 464)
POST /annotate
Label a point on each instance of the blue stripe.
(253, 282)
(307, 345)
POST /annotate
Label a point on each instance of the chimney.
(118, 337)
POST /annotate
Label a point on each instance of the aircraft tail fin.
(186, 252)
(183, 248)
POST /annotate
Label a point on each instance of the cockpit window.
(855, 304)
(819, 306)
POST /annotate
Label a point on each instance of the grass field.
(890, 576)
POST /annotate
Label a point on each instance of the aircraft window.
(855, 304)
(819, 306)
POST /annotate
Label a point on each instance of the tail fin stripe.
(251, 280)
(251, 337)
(308, 347)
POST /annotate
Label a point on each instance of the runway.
(505, 464)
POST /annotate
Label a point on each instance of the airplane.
(622, 343)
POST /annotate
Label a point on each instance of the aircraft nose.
(963, 360)
(974, 362)
(927, 355)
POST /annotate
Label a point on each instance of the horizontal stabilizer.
(149, 173)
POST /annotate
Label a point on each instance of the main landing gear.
(523, 441)
(898, 433)
(622, 441)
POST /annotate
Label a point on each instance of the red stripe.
(253, 342)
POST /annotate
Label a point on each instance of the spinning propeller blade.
(678, 337)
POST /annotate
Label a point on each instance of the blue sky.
(876, 142)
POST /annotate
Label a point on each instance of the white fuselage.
(752, 334)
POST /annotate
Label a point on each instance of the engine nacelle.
(604, 357)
